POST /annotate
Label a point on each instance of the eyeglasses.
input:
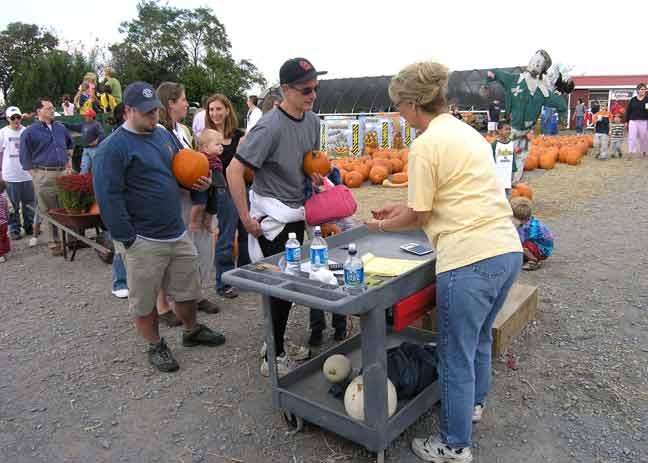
(14, 117)
(306, 90)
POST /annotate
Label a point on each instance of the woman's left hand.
(373, 224)
(202, 184)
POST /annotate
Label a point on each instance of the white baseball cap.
(12, 111)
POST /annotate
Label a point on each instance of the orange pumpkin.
(386, 163)
(400, 177)
(397, 165)
(369, 163)
(404, 155)
(353, 179)
(317, 161)
(94, 209)
(573, 158)
(380, 155)
(343, 174)
(329, 229)
(188, 166)
(531, 163)
(523, 190)
(363, 169)
(547, 161)
(378, 174)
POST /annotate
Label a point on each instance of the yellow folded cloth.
(383, 266)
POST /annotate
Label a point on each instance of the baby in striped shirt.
(617, 135)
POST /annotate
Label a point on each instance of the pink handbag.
(331, 204)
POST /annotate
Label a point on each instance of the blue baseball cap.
(142, 96)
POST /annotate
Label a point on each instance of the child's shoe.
(3, 259)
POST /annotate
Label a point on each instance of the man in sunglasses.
(274, 149)
(20, 188)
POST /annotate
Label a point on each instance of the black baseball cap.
(142, 97)
(297, 70)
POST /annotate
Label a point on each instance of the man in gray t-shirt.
(274, 149)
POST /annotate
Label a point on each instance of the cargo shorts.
(152, 265)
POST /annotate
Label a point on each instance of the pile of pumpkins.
(386, 167)
(545, 151)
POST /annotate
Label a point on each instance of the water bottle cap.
(318, 230)
(292, 236)
(352, 248)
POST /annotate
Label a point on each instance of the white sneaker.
(283, 366)
(432, 449)
(297, 353)
(33, 241)
(120, 293)
(3, 259)
(478, 411)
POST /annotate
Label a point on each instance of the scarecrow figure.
(524, 96)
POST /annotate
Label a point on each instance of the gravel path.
(76, 386)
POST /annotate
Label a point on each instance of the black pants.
(280, 309)
(317, 321)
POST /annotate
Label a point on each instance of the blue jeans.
(579, 124)
(118, 269)
(468, 300)
(228, 223)
(86, 159)
(21, 195)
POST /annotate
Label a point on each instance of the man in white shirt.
(20, 187)
(199, 119)
(253, 114)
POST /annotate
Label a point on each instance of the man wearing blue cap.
(140, 205)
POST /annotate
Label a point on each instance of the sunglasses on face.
(14, 117)
(306, 90)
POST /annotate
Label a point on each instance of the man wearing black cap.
(140, 204)
(274, 149)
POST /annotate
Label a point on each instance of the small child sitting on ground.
(5, 245)
(617, 135)
(537, 240)
(204, 204)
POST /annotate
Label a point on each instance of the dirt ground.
(76, 386)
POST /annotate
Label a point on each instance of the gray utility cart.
(302, 395)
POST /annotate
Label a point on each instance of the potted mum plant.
(75, 192)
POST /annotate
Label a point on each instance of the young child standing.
(204, 206)
(5, 245)
(601, 121)
(537, 240)
(504, 156)
(617, 135)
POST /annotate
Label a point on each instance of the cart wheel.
(380, 457)
(294, 421)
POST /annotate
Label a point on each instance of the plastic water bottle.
(353, 272)
(318, 252)
(293, 254)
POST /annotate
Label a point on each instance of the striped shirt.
(4, 210)
(616, 131)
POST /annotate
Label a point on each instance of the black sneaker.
(169, 319)
(316, 338)
(15, 236)
(207, 306)
(202, 336)
(228, 292)
(29, 231)
(340, 335)
(161, 357)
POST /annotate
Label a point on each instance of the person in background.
(68, 106)
(45, 153)
(456, 113)
(270, 102)
(617, 136)
(504, 156)
(579, 115)
(536, 239)
(91, 135)
(19, 185)
(114, 84)
(494, 112)
(221, 117)
(601, 120)
(198, 123)
(5, 244)
(253, 114)
(139, 200)
(637, 122)
(106, 100)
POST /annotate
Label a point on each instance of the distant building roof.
(609, 81)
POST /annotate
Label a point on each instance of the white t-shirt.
(252, 118)
(198, 123)
(68, 109)
(12, 170)
(504, 162)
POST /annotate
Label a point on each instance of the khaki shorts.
(152, 265)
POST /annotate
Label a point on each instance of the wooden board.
(518, 310)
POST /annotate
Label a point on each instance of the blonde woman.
(455, 197)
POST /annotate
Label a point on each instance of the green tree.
(19, 44)
(48, 76)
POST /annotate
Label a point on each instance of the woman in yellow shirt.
(455, 197)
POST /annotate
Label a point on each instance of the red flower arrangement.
(75, 191)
